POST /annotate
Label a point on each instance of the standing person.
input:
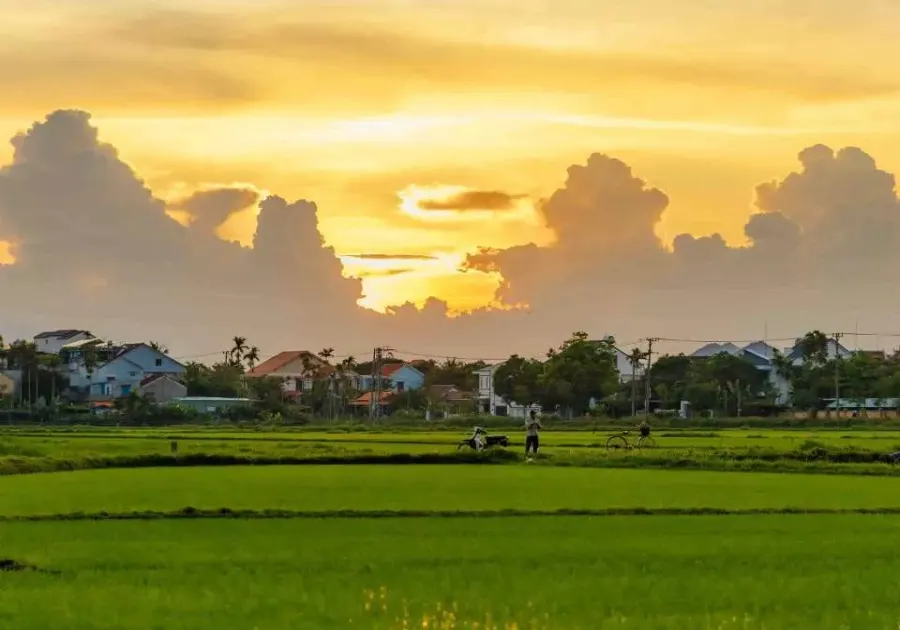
(532, 426)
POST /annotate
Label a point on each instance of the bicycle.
(620, 441)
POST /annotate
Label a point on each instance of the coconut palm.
(252, 357)
(236, 354)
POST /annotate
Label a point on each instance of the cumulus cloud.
(602, 218)
(208, 209)
(94, 247)
(472, 200)
(822, 246)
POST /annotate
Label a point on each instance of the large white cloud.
(95, 248)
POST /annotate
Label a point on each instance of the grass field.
(562, 573)
(32, 442)
(316, 569)
(436, 488)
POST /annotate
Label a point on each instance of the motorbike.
(488, 442)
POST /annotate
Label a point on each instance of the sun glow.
(7, 253)
(392, 280)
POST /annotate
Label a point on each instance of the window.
(159, 363)
(401, 386)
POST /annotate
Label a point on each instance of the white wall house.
(489, 402)
(52, 342)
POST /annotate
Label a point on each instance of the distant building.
(299, 370)
(51, 342)
(490, 403)
(448, 400)
(398, 377)
(162, 388)
(120, 370)
(762, 356)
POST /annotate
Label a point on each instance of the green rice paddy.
(411, 546)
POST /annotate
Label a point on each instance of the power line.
(618, 345)
(721, 341)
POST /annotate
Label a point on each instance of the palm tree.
(326, 353)
(252, 357)
(238, 349)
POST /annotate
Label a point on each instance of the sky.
(480, 177)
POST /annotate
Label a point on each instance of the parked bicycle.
(621, 441)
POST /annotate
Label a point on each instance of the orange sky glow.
(386, 113)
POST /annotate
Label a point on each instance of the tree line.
(582, 376)
(578, 377)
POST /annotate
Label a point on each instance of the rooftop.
(66, 333)
(318, 365)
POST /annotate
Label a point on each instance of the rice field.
(775, 572)
(130, 441)
(514, 545)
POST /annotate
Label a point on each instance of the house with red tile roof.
(299, 370)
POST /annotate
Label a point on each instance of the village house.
(762, 356)
(52, 342)
(119, 370)
(490, 403)
(299, 370)
(162, 388)
(448, 400)
(396, 377)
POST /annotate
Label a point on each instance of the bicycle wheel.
(465, 446)
(646, 443)
(616, 443)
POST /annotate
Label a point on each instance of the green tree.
(578, 372)
(519, 379)
(736, 379)
(460, 374)
(672, 376)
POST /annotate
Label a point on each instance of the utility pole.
(377, 385)
(837, 377)
(650, 341)
(376, 374)
(635, 359)
(739, 398)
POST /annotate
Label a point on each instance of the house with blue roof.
(762, 356)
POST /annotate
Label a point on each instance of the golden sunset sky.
(370, 108)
